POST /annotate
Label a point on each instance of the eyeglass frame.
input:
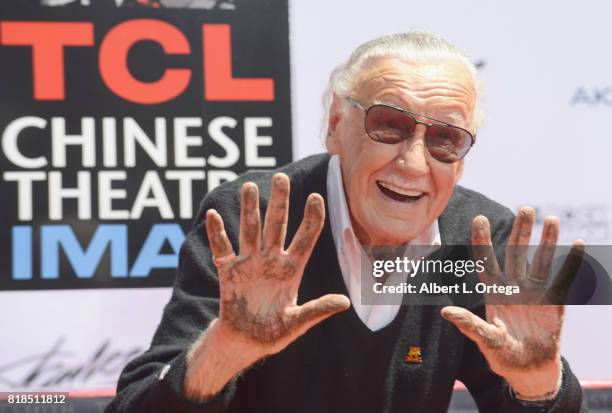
(355, 103)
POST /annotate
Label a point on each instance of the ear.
(332, 142)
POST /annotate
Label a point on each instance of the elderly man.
(256, 325)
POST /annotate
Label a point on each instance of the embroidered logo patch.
(413, 355)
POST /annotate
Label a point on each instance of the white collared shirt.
(350, 251)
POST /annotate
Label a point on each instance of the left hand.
(521, 343)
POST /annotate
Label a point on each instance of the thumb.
(315, 311)
(472, 326)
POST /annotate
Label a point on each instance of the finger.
(275, 224)
(307, 234)
(315, 311)
(472, 326)
(483, 250)
(543, 257)
(516, 250)
(220, 245)
(250, 227)
(562, 283)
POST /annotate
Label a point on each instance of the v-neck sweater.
(339, 365)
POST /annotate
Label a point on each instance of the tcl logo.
(49, 39)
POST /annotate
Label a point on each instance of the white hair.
(420, 46)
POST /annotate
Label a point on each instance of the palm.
(259, 295)
(523, 333)
(259, 285)
(521, 336)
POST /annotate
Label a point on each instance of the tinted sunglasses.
(391, 125)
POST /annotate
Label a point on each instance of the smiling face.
(395, 192)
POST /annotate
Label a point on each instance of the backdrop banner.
(115, 122)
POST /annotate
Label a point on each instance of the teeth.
(400, 190)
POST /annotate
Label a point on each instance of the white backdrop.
(546, 68)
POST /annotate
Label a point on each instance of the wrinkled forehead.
(440, 86)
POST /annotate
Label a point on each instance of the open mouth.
(399, 194)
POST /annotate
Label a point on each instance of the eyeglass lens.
(390, 125)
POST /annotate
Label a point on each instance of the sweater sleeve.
(153, 381)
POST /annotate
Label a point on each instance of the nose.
(413, 155)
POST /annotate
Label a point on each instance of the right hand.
(259, 285)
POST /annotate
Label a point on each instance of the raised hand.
(522, 342)
(259, 285)
(258, 311)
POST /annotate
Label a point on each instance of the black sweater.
(339, 365)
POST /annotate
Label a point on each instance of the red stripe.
(586, 384)
(81, 394)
